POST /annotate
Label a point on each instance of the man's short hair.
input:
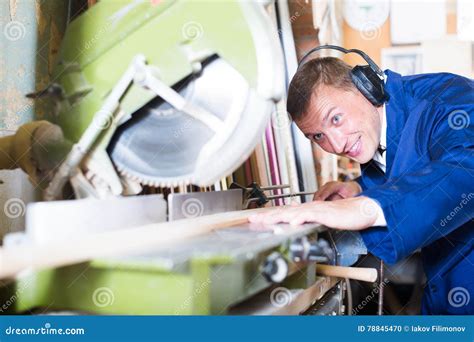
(329, 71)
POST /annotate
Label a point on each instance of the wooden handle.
(357, 273)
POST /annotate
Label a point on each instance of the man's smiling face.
(342, 122)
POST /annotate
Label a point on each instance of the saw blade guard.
(222, 57)
(163, 146)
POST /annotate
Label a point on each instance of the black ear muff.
(367, 78)
(369, 84)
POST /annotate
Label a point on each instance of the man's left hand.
(352, 214)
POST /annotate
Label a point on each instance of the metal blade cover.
(163, 146)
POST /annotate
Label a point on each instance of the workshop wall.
(304, 32)
(370, 42)
(373, 40)
(426, 44)
(31, 32)
(370, 39)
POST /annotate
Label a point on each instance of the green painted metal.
(201, 286)
(96, 50)
(100, 44)
(200, 298)
(93, 289)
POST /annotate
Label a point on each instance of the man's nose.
(337, 141)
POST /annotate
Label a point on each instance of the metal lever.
(107, 114)
(145, 78)
(302, 249)
(256, 194)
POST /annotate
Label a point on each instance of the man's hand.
(351, 214)
(337, 190)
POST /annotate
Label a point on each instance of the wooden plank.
(273, 162)
(261, 164)
(140, 239)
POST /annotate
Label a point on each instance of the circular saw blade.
(162, 146)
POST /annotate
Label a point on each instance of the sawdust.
(42, 81)
(54, 44)
(40, 18)
(40, 108)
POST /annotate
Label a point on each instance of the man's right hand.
(337, 190)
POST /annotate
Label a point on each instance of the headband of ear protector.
(369, 79)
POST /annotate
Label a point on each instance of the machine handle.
(357, 273)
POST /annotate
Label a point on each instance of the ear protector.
(368, 79)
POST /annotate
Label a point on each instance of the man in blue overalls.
(414, 139)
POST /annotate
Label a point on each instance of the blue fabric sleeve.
(422, 206)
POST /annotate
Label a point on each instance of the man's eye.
(336, 119)
(318, 136)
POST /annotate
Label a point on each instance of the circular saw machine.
(162, 93)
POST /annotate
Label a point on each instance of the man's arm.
(415, 206)
(425, 205)
(351, 214)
